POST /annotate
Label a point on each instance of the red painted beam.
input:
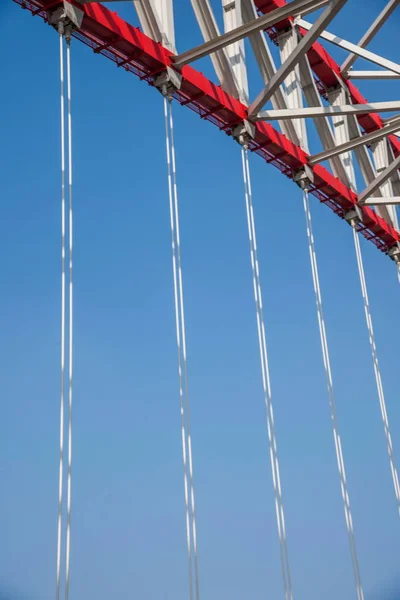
(106, 33)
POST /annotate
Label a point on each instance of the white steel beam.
(267, 67)
(216, 42)
(165, 10)
(302, 47)
(156, 18)
(232, 13)
(325, 111)
(386, 201)
(395, 180)
(313, 98)
(288, 42)
(371, 75)
(379, 181)
(391, 119)
(338, 41)
(209, 28)
(370, 33)
(380, 152)
(347, 129)
(338, 97)
(367, 166)
(354, 143)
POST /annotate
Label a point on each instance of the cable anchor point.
(354, 216)
(304, 178)
(394, 254)
(65, 19)
(168, 82)
(244, 133)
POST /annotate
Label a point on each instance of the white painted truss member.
(217, 42)
(288, 42)
(232, 12)
(326, 111)
(380, 180)
(221, 63)
(301, 49)
(376, 74)
(156, 18)
(339, 97)
(382, 159)
(361, 52)
(267, 67)
(370, 33)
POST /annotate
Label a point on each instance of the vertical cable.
(177, 277)
(184, 356)
(332, 403)
(378, 379)
(276, 478)
(70, 332)
(61, 468)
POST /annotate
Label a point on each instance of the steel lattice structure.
(312, 78)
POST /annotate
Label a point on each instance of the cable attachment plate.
(394, 253)
(354, 216)
(168, 82)
(65, 18)
(304, 177)
(244, 133)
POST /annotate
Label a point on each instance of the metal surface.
(391, 201)
(381, 74)
(382, 159)
(379, 181)
(324, 111)
(288, 42)
(209, 29)
(323, 126)
(302, 47)
(327, 72)
(156, 20)
(232, 13)
(354, 143)
(341, 128)
(267, 68)
(338, 41)
(106, 33)
(220, 41)
(367, 166)
(370, 33)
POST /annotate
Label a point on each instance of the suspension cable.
(191, 529)
(276, 478)
(61, 466)
(70, 332)
(183, 330)
(332, 403)
(378, 379)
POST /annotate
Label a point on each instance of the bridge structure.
(306, 96)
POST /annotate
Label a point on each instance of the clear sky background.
(128, 536)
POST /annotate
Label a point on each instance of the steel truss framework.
(309, 73)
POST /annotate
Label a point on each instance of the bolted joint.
(168, 82)
(244, 133)
(394, 253)
(304, 177)
(354, 216)
(65, 19)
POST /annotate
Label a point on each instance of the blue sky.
(128, 514)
